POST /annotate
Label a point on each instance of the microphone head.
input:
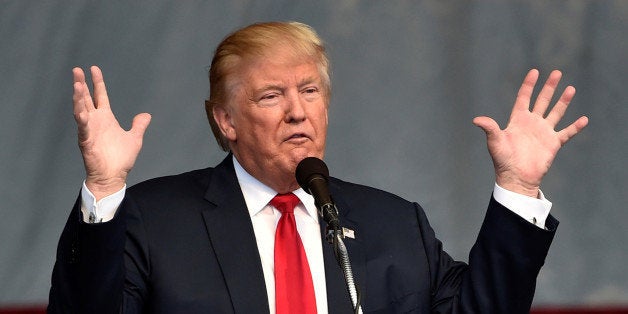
(309, 167)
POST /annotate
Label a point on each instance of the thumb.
(487, 124)
(140, 123)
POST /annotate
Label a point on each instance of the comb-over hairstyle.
(254, 41)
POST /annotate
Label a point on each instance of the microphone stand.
(334, 236)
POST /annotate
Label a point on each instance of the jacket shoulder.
(364, 192)
(191, 182)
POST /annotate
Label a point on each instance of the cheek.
(262, 125)
(321, 121)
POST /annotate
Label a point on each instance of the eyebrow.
(268, 87)
(307, 80)
(272, 86)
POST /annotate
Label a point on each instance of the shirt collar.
(257, 195)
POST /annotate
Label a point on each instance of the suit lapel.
(338, 299)
(233, 239)
(228, 223)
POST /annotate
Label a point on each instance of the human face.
(277, 116)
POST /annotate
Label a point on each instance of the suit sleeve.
(503, 265)
(90, 275)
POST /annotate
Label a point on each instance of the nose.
(295, 110)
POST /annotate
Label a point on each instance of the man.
(205, 241)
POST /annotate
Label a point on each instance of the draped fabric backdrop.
(408, 78)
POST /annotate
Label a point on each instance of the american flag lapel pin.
(348, 233)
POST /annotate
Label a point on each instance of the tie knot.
(285, 203)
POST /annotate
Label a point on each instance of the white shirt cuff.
(103, 210)
(534, 210)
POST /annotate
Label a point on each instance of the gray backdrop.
(408, 77)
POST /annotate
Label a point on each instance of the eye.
(310, 93)
(311, 90)
(269, 99)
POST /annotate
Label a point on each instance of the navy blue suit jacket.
(185, 244)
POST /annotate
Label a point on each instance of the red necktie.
(294, 290)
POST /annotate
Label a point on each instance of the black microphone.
(312, 175)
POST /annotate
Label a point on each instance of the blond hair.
(257, 40)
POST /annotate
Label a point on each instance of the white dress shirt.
(265, 217)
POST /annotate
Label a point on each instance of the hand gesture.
(523, 152)
(109, 152)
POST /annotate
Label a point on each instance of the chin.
(294, 158)
(300, 153)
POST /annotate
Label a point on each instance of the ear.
(223, 117)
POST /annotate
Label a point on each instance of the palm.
(523, 152)
(109, 152)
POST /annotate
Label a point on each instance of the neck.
(281, 183)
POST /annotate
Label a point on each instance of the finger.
(545, 95)
(561, 105)
(487, 124)
(567, 133)
(140, 124)
(78, 75)
(100, 90)
(81, 98)
(78, 105)
(525, 91)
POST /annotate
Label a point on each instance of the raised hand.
(109, 152)
(523, 152)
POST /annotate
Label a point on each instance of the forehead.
(279, 66)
